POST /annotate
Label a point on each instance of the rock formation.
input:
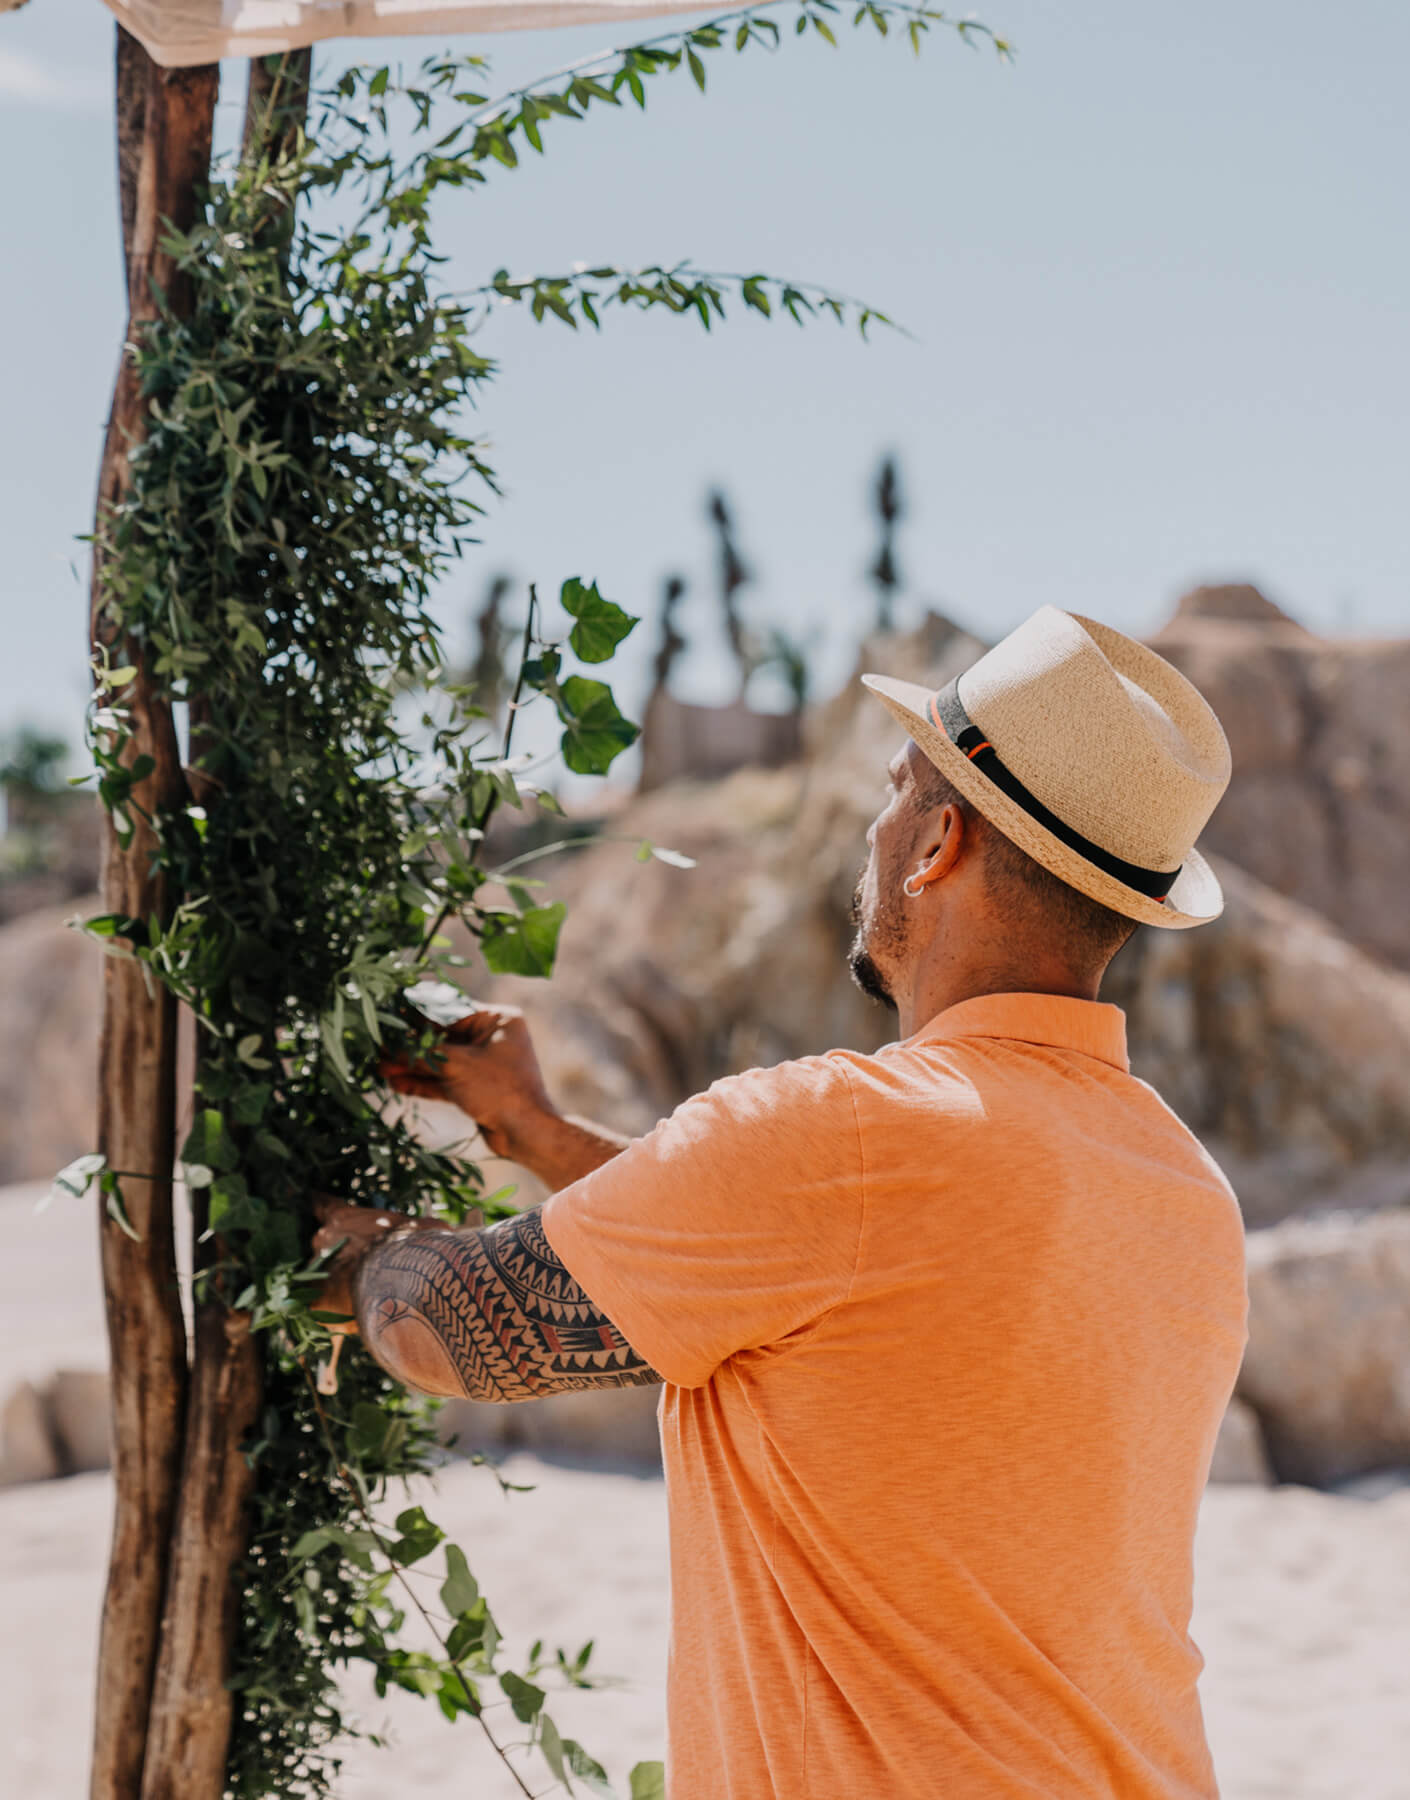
(1276, 1039)
(1327, 1368)
(1281, 1033)
(1319, 806)
(50, 979)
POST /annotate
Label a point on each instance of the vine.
(304, 486)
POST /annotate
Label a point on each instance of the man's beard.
(865, 973)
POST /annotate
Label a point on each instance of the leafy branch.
(472, 1641)
(499, 130)
(680, 289)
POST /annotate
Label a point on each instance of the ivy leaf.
(542, 671)
(250, 1101)
(232, 1207)
(376, 1436)
(601, 624)
(248, 1052)
(75, 1178)
(587, 1769)
(419, 1536)
(595, 731)
(459, 1590)
(676, 858)
(522, 943)
(458, 1695)
(208, 1143)
(526, 1699)
(108, 925)
(648, 1781)
(116, 1209)
(552, 1746)
(472, 1632)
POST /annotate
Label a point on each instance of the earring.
(911, 893)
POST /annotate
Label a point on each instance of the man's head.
(1048, 801)
(940, 876)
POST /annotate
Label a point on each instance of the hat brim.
(1194, 898)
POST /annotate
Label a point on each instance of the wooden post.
(192, 1708)
(164, 120)
(188, 1732)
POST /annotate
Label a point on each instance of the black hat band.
(948, 713)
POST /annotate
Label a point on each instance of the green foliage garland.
(302, 490)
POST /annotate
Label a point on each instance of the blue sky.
(1156, 272)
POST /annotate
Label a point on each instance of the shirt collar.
(1089, 1026)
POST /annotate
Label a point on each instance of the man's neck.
(938, 989)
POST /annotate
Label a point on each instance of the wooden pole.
(192, 1708)
(164, 121)
(188, 1732)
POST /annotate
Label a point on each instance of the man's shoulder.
(797, 1087)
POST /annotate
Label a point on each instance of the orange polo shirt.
(946, 1334)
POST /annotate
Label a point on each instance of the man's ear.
(943, 849)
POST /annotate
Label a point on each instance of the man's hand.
(362, 1227)
(489, 1070)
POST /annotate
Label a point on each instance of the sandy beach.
(1303, 1612)
(1302, 1598)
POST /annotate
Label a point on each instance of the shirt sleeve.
(734, 1223)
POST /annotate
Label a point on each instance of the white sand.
(1302, 1608)
(1303, 1613)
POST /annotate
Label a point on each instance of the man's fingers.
(471, 1028)
(479, 1027)
(405, 1079)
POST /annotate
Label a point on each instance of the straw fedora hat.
(1089, 752)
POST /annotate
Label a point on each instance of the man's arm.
(489, 1314)
(486, 1315)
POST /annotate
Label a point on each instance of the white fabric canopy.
(178, 33)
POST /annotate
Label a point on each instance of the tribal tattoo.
(490, 1315)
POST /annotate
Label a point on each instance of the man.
(946, 1331)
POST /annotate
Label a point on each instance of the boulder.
(680, 739)
(1283, 1046)
(1240, 1455)
(1327, 1369)
(1276, 1039)
(1319, 804)
(27, 1448)
(51, 978)
(613, 1427)
(80, 1419)
(1231, 600)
